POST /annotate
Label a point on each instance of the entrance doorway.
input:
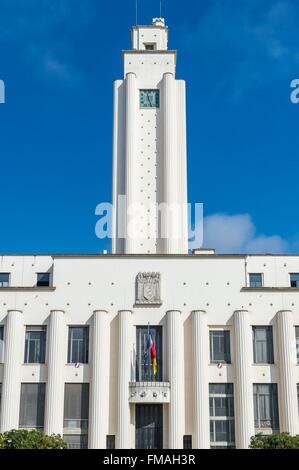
(149, 426)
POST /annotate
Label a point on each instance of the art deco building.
(74, 356)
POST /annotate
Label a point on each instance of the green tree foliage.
(23, 439)
(274, 441)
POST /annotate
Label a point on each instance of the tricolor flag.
(150, 346)
(153, 355)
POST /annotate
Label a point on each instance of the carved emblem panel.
(148, 289)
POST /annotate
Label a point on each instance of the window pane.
(43, 279)
(256, 280)
(297, 342)
(187, 442)
(144, 365)
(266, 406)
(78, 345)
(221, 406)
(4, 279)
(110, 442)
(263, 344)
(76, 402)
(294, 279)
(76, 441)
(35, 345)
(220, 345)
(32, 405)
(1, 344)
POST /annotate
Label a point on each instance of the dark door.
(149, 426)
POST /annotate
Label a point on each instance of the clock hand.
(149, 99)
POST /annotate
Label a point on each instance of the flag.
(153, 354)
(147, 347)
(150, 346)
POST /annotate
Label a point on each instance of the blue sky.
(58, 59)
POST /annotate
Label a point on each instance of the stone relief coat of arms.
(148, 289)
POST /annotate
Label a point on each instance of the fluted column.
(55, 383)
(11, 387)
(176, 378)
(99, 390)
(244, 420)
(131, 158)
(201, 380)
(124, 356)
(287, 373)
(171, 221)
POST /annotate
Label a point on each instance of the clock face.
(149, 99)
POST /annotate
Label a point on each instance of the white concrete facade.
(199, 293)
(206, 394)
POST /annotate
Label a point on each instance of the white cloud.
(238, 234)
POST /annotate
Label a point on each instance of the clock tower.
(149, 149)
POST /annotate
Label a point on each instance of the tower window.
(150, 46)
(43, 280)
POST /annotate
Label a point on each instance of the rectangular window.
(110, 442)
(220, 346)
(43, 280)
(1, 344)
(265, 406)
(75, 441)
(256, 280)
(262, 344)
(187, 442)
(76, 402)
(150, 46)
(4, 279)
(78, 344)
(35, 345)
(144, 363)
(32, 406)
(222, 420)
(297, 342)
(294, 279)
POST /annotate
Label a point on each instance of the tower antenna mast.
(136, 12)
(160, 8)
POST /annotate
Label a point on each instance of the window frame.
(151, 44)
(228, 396)
(274, 405)
(38, 282)
(297, 281)
(110, 441)
(70, 345)
(5, 282)
(139, 361)
(43, 343)
(256, 286)
(269, 341)
(83, 422)
(41, 394)
(2, 344)
(297, 342)
(227, 333)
